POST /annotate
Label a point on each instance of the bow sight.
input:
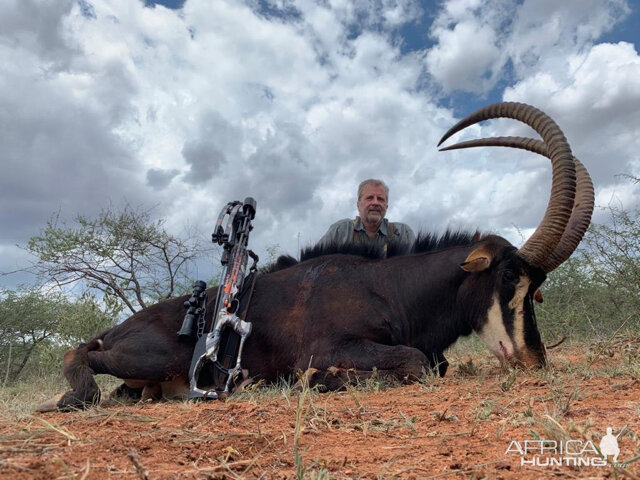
(216, 356)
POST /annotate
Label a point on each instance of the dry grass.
(392, 431)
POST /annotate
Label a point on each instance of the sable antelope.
(344, 313)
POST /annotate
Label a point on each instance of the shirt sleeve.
(338, 233)
(405, 233)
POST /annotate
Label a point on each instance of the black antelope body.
(345, 314)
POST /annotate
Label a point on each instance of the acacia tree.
(598, 289)
(33, 323)
(124, 254)
(614, 257)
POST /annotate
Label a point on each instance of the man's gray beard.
(374, 217)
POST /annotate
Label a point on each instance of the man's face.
(372, 205)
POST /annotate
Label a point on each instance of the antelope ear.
(478, 260)
(537, 296)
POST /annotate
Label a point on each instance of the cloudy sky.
(183, 106)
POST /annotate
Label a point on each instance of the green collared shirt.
(348, 229)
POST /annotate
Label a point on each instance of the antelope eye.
(508, 276)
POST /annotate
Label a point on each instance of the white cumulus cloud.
(108, 101)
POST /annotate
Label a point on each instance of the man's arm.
(338, 233)
(405, 234)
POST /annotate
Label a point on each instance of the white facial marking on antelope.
(494, 334)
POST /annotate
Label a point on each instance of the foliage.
(614, 261)
(597, 291)
(36, 328)
(124, 254)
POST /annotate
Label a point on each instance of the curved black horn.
(546, 237)
(582, 206)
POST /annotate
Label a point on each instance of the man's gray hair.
(374, 182)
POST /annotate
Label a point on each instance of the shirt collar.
(382, 228)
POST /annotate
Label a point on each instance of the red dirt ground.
(459, 426)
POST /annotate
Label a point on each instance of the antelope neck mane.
(425, 242)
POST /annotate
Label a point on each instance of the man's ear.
(479, 259)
